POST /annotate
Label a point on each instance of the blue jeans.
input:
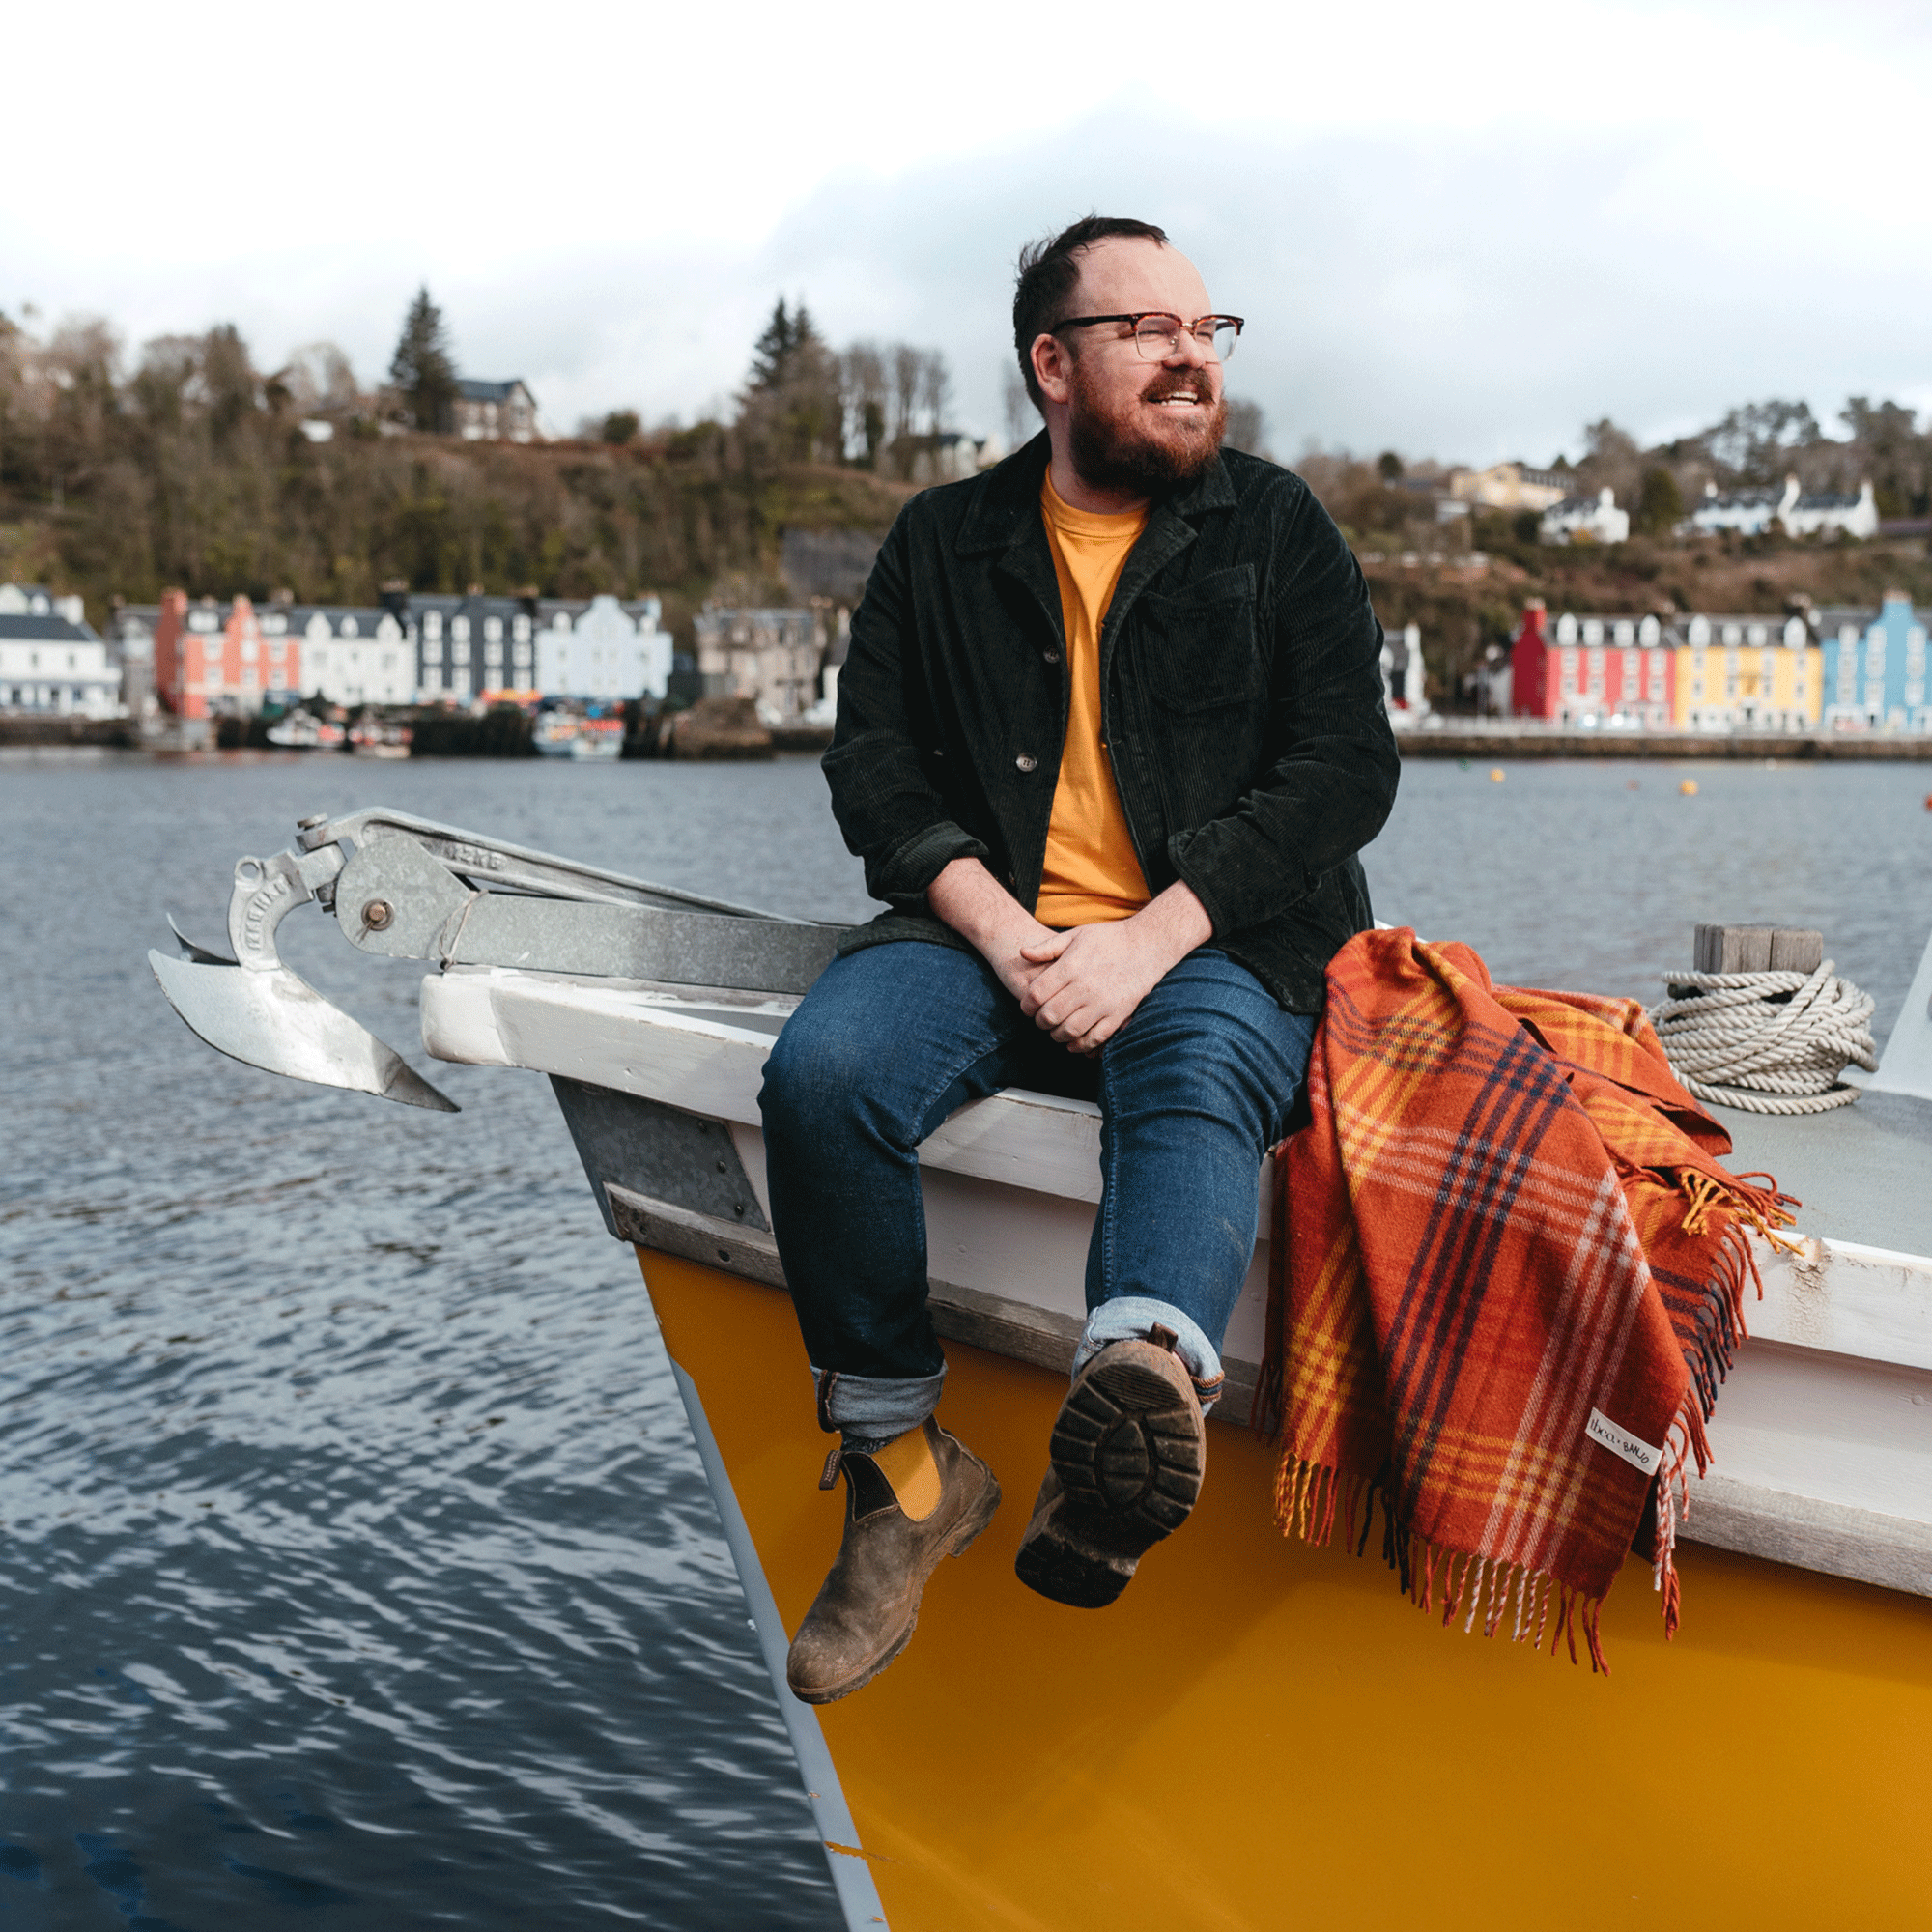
(1193, 1091)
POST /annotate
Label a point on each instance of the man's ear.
(1052, 367)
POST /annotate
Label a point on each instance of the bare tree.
(1247, 426)
(935, 390)
(319, 379)
(865, 390)
(906, 364)
(1017, 405)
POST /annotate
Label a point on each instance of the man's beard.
(1117, 452)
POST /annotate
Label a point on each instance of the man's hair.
(1049, 271)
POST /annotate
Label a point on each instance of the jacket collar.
(1007, 508)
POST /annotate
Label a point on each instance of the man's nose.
(1187, 352)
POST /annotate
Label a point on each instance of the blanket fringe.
(1309, 1493)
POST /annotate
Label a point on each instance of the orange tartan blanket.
(1508, 1273)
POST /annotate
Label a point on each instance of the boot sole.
(965, 1534)
(1128, 1452)
(1059, 1563)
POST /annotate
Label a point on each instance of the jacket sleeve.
(890, 813)
(1330, 780)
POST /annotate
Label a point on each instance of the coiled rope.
(1768, 1042)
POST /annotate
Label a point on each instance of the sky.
(1460, 232)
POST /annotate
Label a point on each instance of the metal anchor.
(407, 888)
(257, 1011)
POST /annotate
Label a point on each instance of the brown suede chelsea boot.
(922, 1497)
(1128, 1450)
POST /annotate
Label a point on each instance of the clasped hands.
(1082, 985)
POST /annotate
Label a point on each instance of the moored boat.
(571, 734)
(1259, 1731)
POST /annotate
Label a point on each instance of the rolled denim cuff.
(1128, 1318)
(874, 1409)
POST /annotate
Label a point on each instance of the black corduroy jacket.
(1240, 704)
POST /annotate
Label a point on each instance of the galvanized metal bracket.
(407, 888)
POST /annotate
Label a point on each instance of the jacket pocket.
(1197, 647)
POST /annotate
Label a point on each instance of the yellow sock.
(906, 1464)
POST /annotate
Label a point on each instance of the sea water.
(355, 1564)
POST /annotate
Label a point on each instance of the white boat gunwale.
(1823, 1440)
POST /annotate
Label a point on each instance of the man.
(1110, 736)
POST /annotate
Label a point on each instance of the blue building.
(1875, 668)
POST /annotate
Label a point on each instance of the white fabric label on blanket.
(1621, 1443)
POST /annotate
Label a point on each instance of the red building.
(210, 659)
(1593, 672)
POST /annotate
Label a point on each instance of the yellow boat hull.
(1261, 1735)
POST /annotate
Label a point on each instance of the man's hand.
(999, 928)
(1086, 983)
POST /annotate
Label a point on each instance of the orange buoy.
(1689, 788)
(1497, 777)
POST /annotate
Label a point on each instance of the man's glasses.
(1158, 335)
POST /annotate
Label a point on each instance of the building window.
(492, 630)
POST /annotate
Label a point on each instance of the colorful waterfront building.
(1874, 668)
(1747, 673)
(213, 659)
(1592, 671)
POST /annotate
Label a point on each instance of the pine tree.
(771, 353)
(423, 371)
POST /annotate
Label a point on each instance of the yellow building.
(1746, 674)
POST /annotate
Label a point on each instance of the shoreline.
(1497, 740)
(1474, 739)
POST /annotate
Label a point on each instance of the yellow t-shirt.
(1090, 872)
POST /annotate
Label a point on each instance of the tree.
(1659, 506)
(1388, 465)
(1021, 420)
(230, 388)
(1889, 450)
(772, 352)
(792, 410)
(620, 427)
(319, 380)
(1611, 460)
(862, 381)
(1247, 427)
(1754, 441)
(423, 371)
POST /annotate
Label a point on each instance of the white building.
(50, 657)
(604, 651)
(1590, 519)
(773, 657)
(1752, 512)
(495, 411)
(1829, 513)
(1748, 511)
(348, 656)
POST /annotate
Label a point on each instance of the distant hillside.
(333, 522)
(189, 466)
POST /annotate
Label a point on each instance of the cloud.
(1459, 235)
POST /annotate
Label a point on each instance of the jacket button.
(1051, 657)
(1025, 762)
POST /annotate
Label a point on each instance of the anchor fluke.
(275, 1020)
(188, 949)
